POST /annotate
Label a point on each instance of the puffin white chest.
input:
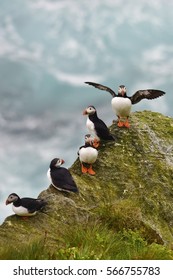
(22, 211)
(121, 106)
(88, 155)
(90, 126)
(48, 175)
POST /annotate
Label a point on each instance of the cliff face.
(132, 189)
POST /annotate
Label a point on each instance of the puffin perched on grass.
(121, 103)
(60, 177)
(25, 206)
(96, 126)
(88, 155)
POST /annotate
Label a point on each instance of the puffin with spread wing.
(121, 103)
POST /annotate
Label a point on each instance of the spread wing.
(102, 88)
(146, 94)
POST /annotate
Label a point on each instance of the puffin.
(121, 103)
(60, 177)
(96, 126)
(88, 155)
(25, 206)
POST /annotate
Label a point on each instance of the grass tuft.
(94, 241)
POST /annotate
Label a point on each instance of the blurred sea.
(48, 49)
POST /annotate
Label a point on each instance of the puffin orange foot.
(126, 124)
(24, 218)
(84, 169)
(91, 171)
(120, 124)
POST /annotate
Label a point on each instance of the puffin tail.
(74, 189)
(111, 138)
(42, 203)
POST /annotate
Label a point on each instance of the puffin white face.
(11, 198)
(122, 90)
(88, 138)
(56, 162)
(90, 110)
(59, 162)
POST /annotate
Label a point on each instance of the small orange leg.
(84, 169)
(120, 124)
(91, 171)
(126, 124)
(24, 218)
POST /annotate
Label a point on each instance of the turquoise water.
(47, 50)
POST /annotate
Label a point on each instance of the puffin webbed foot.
(126, 124)
(24, 218)
(120, 124)
(91, 171)
(84, 169)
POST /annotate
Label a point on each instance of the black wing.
(61, 178)
(80, 149)
(33, 204)
(146, 94)
(103, 131)
(102, 88)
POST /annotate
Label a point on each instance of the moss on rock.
(132, 189)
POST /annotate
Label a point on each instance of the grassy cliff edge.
(129, 199)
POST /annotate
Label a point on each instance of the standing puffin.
(87, 155)
(25, 206)
(96, 126)
(60, 177)
(121, 103)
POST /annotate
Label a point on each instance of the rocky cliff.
(132, 189)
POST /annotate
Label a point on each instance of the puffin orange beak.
(85, 112)
(63, 161)
(122, 92)
(7, 202)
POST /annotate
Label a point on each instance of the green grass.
(98, 242)
(95, 241)
(33, 251)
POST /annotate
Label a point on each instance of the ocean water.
(48, 49)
